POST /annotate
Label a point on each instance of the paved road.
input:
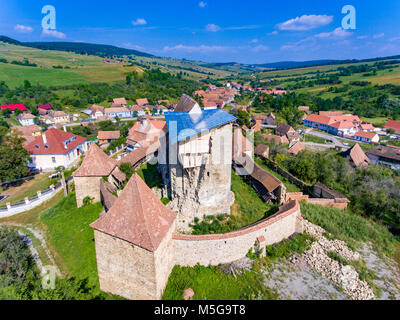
(334, 140)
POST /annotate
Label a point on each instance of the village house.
(96, 111)
(368, 127)
(283, 129)
(105, 137)
(144, 132)
(138, 111)
(120, 112)
(274, 92)
(26, 119)
(305, 109)
(44, 109)
(29, 133)
(56, 148)
(119, 103)
(334, 123)
(277, 139)
(386, 156)
(296, 148)
(55, 117)
(159, 109)
(368, 137)
(393, 125)
(142, 102)
(357, 156)
(266, 120)
(186, 103)
(12, 107)
(262, 151)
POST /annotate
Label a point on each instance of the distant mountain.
(9, 40)
(295, 64)
(304, 64)
(101, 50)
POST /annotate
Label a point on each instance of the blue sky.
(252, 31)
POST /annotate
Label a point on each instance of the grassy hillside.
(64, 67)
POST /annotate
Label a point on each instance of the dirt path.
(39, 236)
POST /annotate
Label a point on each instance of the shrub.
(87, 200)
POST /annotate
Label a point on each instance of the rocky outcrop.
(345, 276)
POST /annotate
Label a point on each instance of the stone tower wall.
(131, 271)
(204, 190)
(87, 187)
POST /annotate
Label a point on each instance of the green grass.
(28, 188)
(72, 238)
(315, 139)
(350, 227)
(377, 121)
(15, 75)
(290, 187)
(284, 249)
(210, 283)
(149, 173)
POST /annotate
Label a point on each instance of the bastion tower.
(196, 161)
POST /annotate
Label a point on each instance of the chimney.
(65, 128)
(44, 138)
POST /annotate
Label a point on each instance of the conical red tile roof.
(95, 164)
(137, 216)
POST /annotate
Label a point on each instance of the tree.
(127, 168)
(292, 115)
(243, 118)
(14, 158)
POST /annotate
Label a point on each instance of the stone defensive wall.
(214, 249)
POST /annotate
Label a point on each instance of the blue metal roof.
(183, 125)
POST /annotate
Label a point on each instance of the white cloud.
(23, 29)
(338, 33)
(53, 34)
(395, 39)
(201, 48)
(254, 41)
(139, 22)
(260, 48)
(202, 4)
(362, 37)
(305, 22)
(212, 28)
(273, 33)
(379, 35)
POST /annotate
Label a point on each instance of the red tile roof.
(44, 107)
(95, 164)
(392, 124)
(58, 142)
(137, 216)
(12, 107)
(296, 148)
(142, 102)
(363, 134)
(358, 156)
(108, 135)
(28, 130)
(367, 126)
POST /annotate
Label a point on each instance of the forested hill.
(101, 50)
